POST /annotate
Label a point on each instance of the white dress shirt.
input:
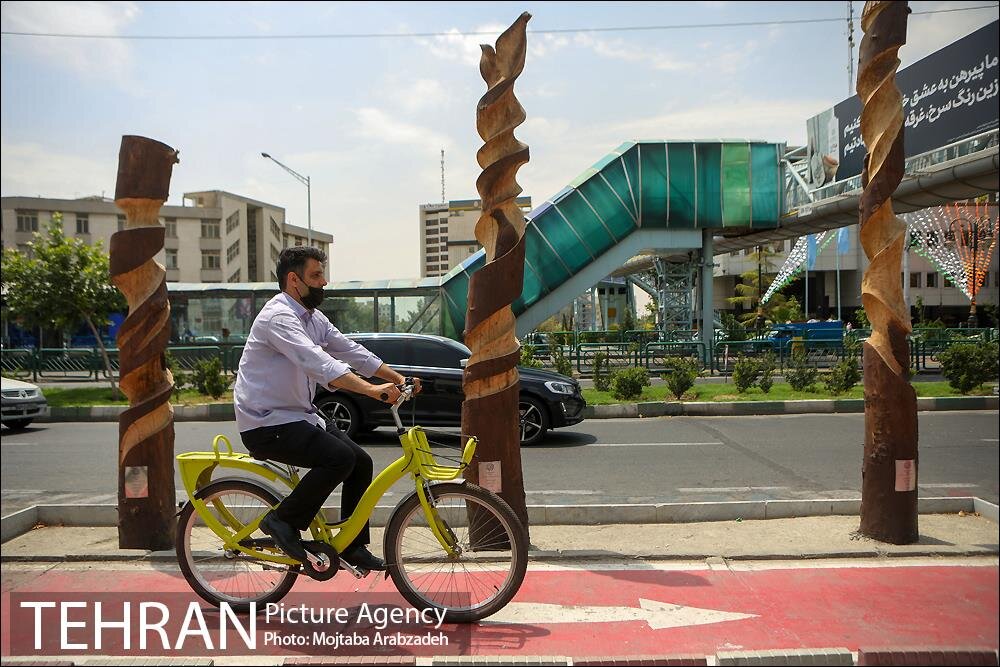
(289, 351)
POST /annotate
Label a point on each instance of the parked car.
(547, 400)
(20, 403)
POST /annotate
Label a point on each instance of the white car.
(21, 403)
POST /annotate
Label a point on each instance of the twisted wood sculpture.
(146, 498)
(889, 470)
(491, 384)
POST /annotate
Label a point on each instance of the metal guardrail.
(655, 355)
(619, 355)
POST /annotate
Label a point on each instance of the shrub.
(602, 382)
(766, 368)
(683, 371)
(528, 357)
(207, 377)
(181, 379)
(563, 365)
(731, 328)
(627, 383)
(800, 375)
(968, 365)
(843, 376)
(746, 370)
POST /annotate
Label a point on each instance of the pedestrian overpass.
(668, 205)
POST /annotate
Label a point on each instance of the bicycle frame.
(196, 469)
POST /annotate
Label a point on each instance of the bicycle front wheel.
(218, 574)
(489, 559)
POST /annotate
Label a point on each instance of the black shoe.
(285, 536)
(363, 559)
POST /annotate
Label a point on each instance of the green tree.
(60, 283)
(753, 284)
(628, 320)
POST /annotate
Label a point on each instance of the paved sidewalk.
(805, 590)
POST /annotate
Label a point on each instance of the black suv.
(548, 400)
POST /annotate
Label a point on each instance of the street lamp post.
(306, 182)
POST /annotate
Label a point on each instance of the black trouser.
(332, 458)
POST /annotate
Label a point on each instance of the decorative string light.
(958, 239)
(795, 261)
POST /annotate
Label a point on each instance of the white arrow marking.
(658, 615)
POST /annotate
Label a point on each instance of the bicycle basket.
(427, 464)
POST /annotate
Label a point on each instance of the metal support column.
(674, 284)
(707, 298)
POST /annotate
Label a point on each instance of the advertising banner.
(948, 96)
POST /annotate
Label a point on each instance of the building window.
(82, 223)
(932, 279)
(170, 228)
(171, 258)
(210, 259)
(915, 279)
(233, 251)
(275, 229)
(274, 254)
(121, 222)
(209, 229)
(235, 278)
(232, 222)
(27, 221)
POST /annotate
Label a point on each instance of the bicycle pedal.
(359, 573)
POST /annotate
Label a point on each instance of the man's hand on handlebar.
(387, 393)
(416, 385)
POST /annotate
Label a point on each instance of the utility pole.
(850, 47)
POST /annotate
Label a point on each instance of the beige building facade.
(448, 233)
(219, 237)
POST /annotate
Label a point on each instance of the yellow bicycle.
(449, 545)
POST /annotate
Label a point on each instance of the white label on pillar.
(489, 476)
(906, 475)
(136, 482)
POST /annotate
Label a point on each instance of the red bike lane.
(596, 610)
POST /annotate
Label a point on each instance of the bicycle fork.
(439, 527)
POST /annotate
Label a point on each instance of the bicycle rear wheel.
(486, 571)
(218, 574)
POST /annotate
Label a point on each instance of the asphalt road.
(668, 459)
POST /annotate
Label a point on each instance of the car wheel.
(534, 420)
(342, 412)
(18, 423)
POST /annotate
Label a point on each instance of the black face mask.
(313, 298)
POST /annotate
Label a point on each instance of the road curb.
(225, 411)
(764, 408)
(18, 523)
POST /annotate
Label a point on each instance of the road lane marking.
(652, 444)
(729, 489)
(948, 485)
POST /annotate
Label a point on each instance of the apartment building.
(448, 233)
(215, 237)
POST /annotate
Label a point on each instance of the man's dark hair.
(294, 259)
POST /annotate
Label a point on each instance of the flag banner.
(843, 240)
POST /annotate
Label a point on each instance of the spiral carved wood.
(491, 384)
(889, 497)
(146, 429)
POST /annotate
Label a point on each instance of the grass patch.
(59, 397)
(781, 391)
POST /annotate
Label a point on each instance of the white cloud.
(620, 50)
(769, 120)
(466, 48)
(95, 58)
(413, 95)
(30, 169)
(377, 124)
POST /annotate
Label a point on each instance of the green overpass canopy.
(644, 185)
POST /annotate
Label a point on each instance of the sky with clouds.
(367, 117)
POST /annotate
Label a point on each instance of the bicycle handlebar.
(405, 393)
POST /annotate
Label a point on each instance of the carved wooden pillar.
(491, 384)
(146, 497)
(889, 470)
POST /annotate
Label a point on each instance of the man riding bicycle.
(292, 346)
